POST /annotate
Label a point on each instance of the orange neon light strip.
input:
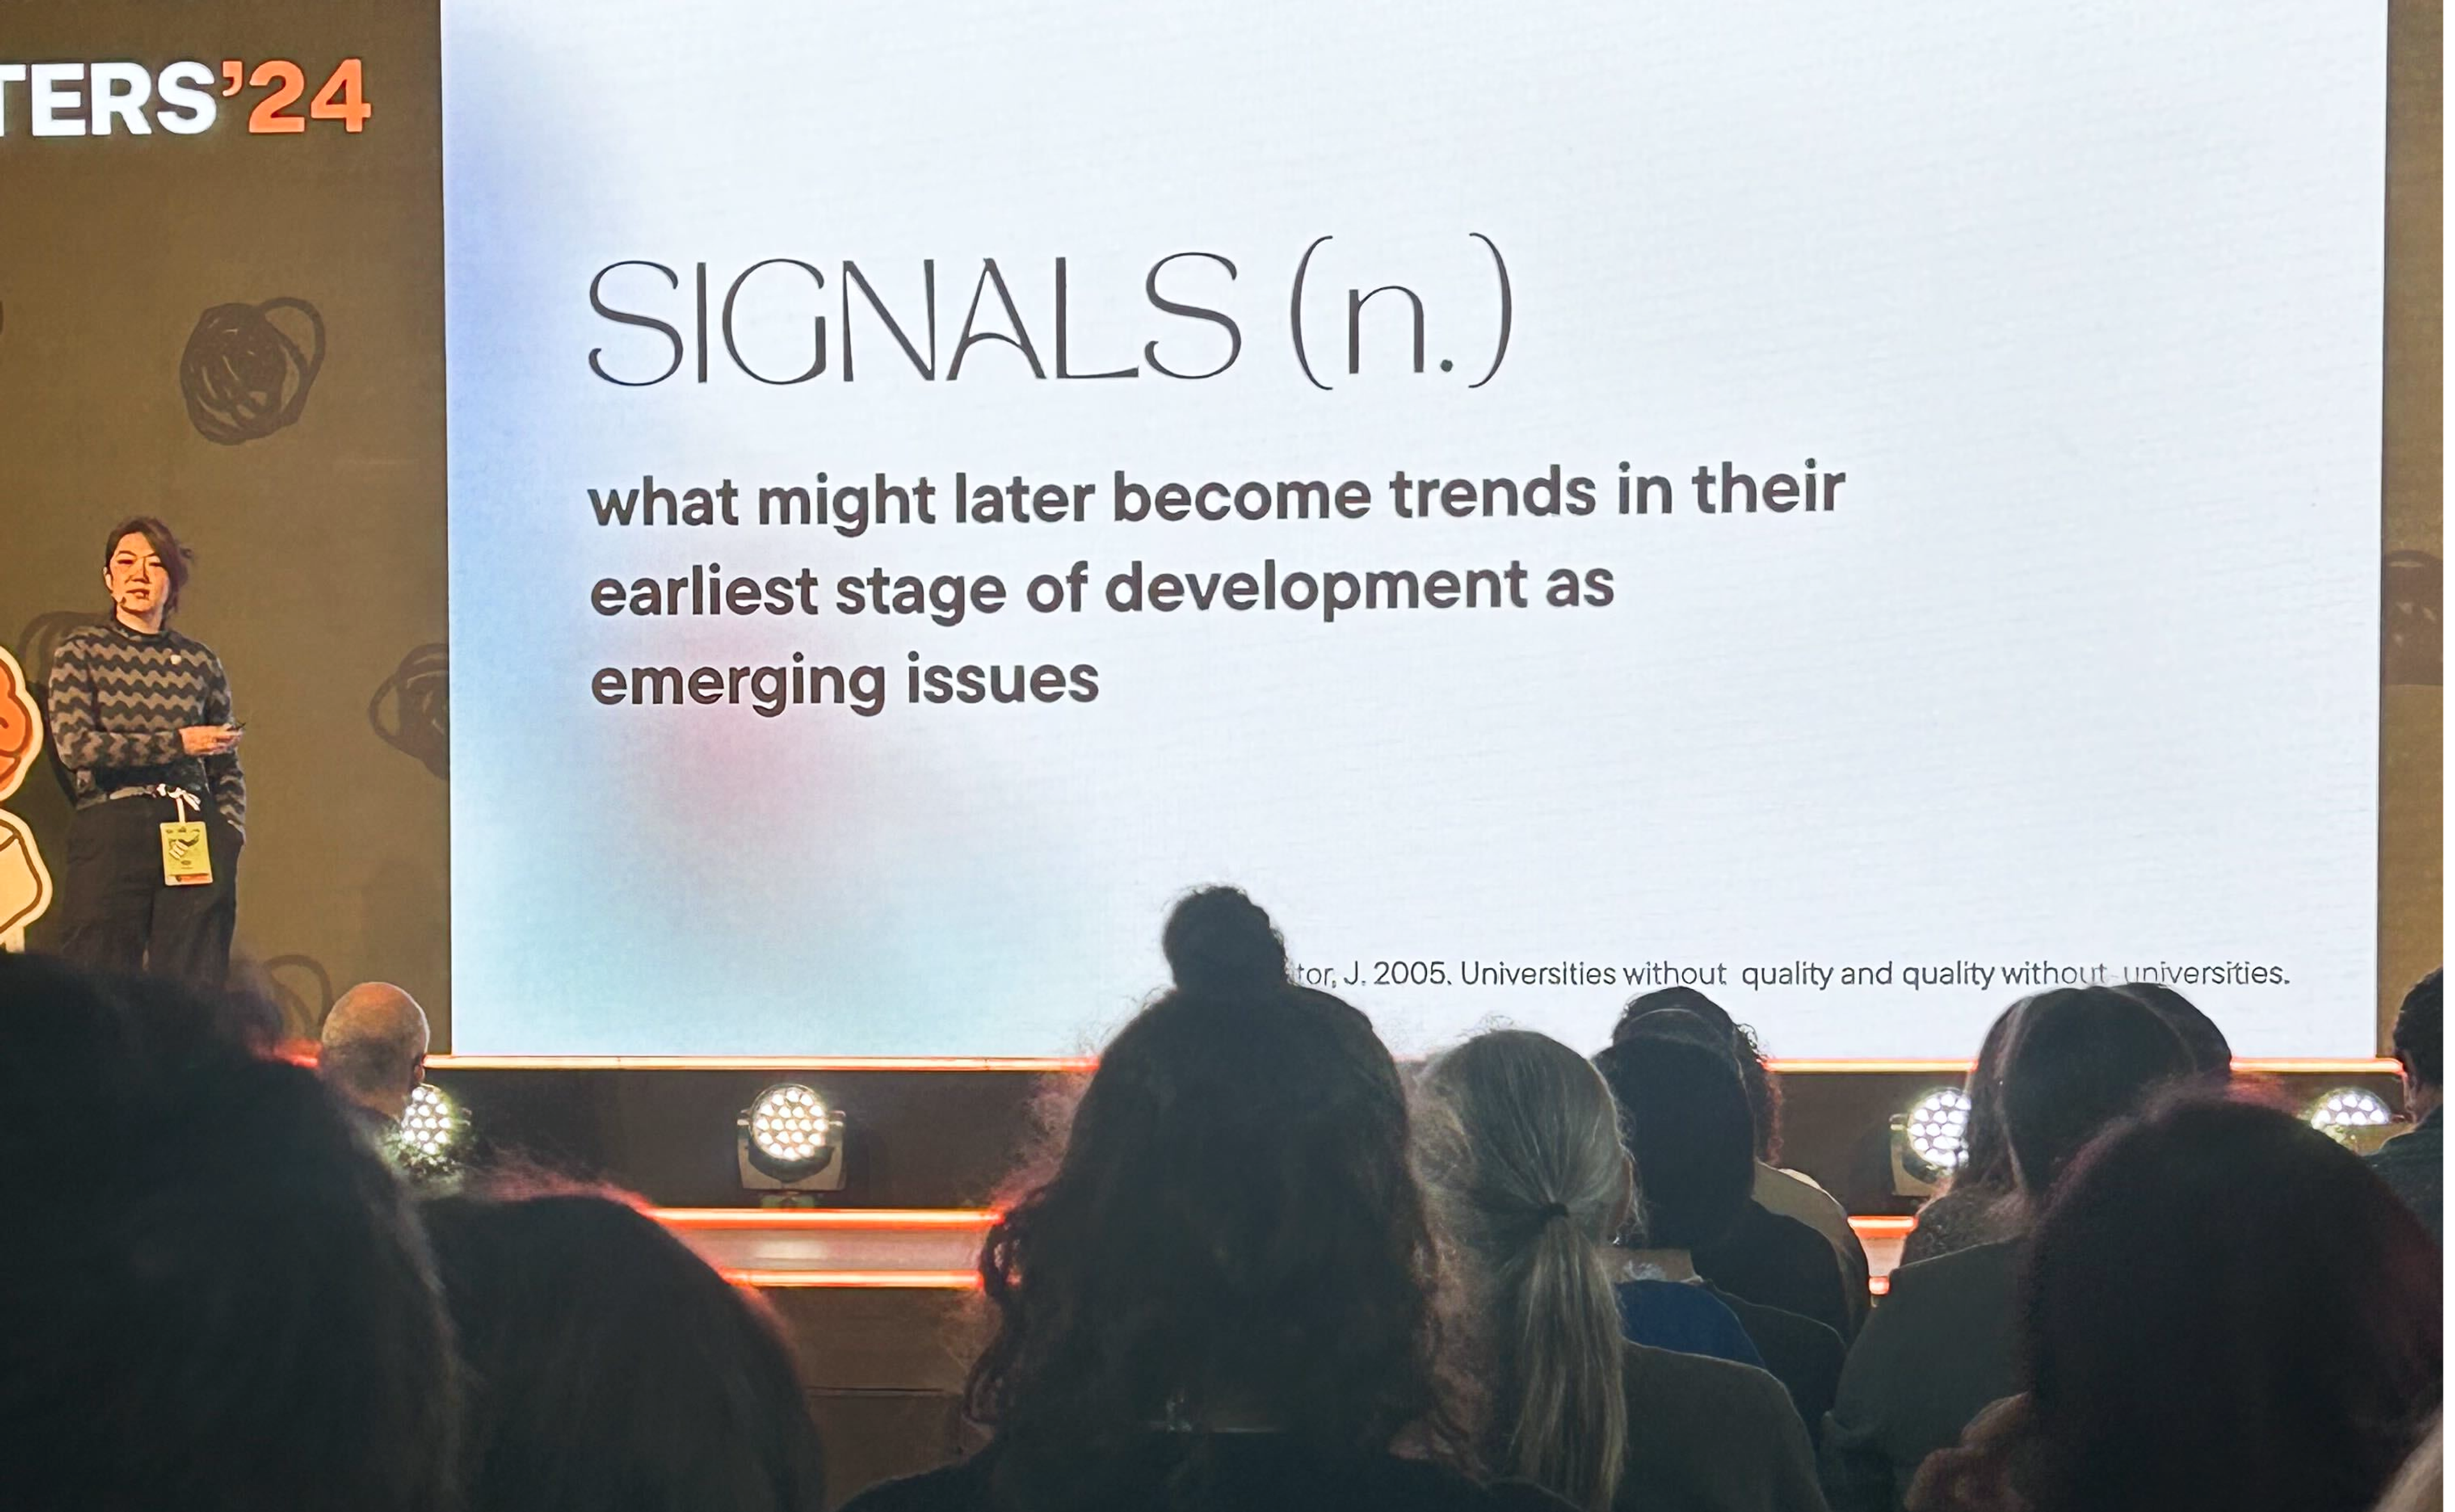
(928, 1220)
(1939, 1068)
(866, 1281)
(917, 1219)
(2279, 1066)
(743, 1219)
(1047, 1064)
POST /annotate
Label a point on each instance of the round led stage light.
(2339, 1112)
(1938, 1132)
(788, 1125)
(432, 1128)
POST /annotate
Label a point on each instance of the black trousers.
(118, 914)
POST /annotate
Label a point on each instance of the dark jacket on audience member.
(1939, 1349)
(1800, 1353)
(1777, 1261)
(1957, 1219)
(1247, 1472)
(2415, 1165)
(1708, 1435)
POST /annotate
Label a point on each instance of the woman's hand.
(208, 739)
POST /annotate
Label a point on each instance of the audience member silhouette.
(1783, 1193)
(1684, 1117)
(371, 1053)
(2222, 1311)
(1766, 1260)
(1763, 1087)
(1233, 1292)
(1942, 1346)
(1522, 1146)
(1218, 939)
(1980, 1202)
(1224, 1296)
(213, 1297)
(2414, 1164)
(611, 1370)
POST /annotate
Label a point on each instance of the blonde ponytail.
(1528, 1170)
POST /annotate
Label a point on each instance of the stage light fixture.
(432, 1131)
(1937, 1127)
(790, 1140)
(1930, 1141)
(2351, 1115)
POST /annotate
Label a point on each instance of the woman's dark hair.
(1763, 1087)
(1988, 1169)
(212, 1293)
(2211, 1052)
(611, 1370)
(1684, 1119)
(2078, 1059)
(1216, 939)
(1234, 1229)
(176, 557)
(2226, 1310)
(2418, 1041)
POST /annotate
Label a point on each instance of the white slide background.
(2084, 299)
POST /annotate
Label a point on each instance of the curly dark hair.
(1684, 1120)
(1762, 1086)
(1234, 1229)
(1217, 937)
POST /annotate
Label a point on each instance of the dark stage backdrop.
(308, 472)
(242, 331)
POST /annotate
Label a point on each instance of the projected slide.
(1868, 509)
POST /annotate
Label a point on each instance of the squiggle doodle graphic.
(302, 989)
(417, 697)
(243, 375)
(24, 883)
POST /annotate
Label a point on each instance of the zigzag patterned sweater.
(118, 700)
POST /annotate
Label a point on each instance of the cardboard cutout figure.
(24, 883)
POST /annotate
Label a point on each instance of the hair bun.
(1219, 938)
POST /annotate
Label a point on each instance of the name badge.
(186, 860)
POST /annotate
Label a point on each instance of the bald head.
(375, 1047)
